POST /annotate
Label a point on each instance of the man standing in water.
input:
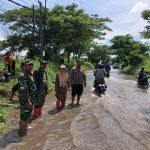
(41, 81)
(27, 95)
(77, 80)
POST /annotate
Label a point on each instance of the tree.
(146, 16)
(99, 52)
(127, 50)
(68, 29)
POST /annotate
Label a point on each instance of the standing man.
(27, 95)
(77, 80)
(41, 81)
(10, 62)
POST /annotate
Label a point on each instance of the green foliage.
(1, 66)
(133, 70)
(87, 65)
(127, 50)
(99, 53)
(146, 63)
(3, 118)
(71, 64)
(67, 28)
(146, 16)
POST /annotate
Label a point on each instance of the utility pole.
(33, 31)
(41, 30)
(45, 23)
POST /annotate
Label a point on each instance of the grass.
(3, 118)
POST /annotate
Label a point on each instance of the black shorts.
(77, 89)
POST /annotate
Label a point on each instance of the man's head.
(28, 66)
(43, 64)
(7, 54)
(100, 66)
(142, 69)
(78, 63)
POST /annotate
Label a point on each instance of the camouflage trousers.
(25, 112)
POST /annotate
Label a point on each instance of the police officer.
(27, 95)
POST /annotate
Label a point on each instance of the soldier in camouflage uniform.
(27, 95)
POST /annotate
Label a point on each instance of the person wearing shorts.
(77, 80)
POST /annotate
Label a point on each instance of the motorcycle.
(100, 88)
(143, 81)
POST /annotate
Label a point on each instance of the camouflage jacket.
(27, 89)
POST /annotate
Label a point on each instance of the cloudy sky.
(125, 14)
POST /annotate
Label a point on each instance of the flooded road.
(119, 120)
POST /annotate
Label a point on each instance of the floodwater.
(119, 120)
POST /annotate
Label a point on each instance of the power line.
(6, 4)
(81, 4)
(3, 10)
(25, 3)
(19, 4)
(48, 3)
(68, 2)
(34, 1)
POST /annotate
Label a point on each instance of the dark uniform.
(27, 94)
(41, 81)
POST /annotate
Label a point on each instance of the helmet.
(100, 66)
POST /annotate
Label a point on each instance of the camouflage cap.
(28, 62)
(43, 62)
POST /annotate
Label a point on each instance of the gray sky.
(125, 14)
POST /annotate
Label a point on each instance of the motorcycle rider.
(99, 75)
(142, 73)
(107, 69)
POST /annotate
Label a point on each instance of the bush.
(71, 64)
(133, 70)
(3, 119)
(88, 66)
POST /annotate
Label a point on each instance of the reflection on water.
(119, 120)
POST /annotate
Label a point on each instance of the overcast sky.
(125, 14)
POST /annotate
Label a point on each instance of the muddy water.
(119, 120)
